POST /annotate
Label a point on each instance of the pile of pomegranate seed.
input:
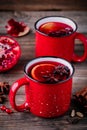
(5, 109)
(17, 29)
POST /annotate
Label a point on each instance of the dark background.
(39, 5)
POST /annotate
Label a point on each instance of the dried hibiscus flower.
(17, 29)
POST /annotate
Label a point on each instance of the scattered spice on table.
(79, 108)
(4, 91)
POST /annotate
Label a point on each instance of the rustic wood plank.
(46, 5)
(30, 18)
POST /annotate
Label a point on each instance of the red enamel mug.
(64, 46)
(42, 99)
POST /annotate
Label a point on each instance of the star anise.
(4, 88)
(50, 78)
(60, 73)
(62, 70)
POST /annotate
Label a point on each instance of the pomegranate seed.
(9, 111)
(16, 29)
(3, 108)
(27, 106)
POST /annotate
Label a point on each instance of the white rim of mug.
(49, 17)
(49, 58)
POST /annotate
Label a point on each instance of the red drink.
(55, 29)
(55, 36)
(48, 97)
(49, 72)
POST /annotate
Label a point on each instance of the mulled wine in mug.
(48, 87)
(56, 35)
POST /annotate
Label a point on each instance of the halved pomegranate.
(55, 29)
(17, 29)
(9, 53)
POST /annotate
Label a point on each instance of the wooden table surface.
(27, 121)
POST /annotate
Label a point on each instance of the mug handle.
(19, 83)
(75, 57)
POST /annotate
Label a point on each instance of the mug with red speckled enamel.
(43, 99)
(56, 36)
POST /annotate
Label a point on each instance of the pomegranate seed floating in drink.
(9, 53)
(17, 29)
